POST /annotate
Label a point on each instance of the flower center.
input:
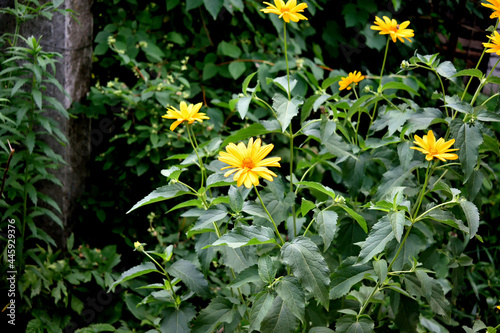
(247, 163)
(433, 151)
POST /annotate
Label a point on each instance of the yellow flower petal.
(346, 82)
(187, 113)
(288, 12)
(393, 29)
(439, 149)
(247, 162)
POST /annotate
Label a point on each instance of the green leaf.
(353, 324)
(206, 219)
(173, 172)
(218, 180)
(446, 69)
(438, 302)
(459, 105)
(282, 82)
(360, 219)
(415, 243)
(285, 109)
(380, 267)
(30, 141)
(346, 276)
(377, 239)
(209, 71)
(397, 220)
(177, 320)
(190, 276)
(472, 216)
(423, 119)
(191, 4)
(306, 206)
(467, 139)
(242, 106)
(246, 82)
(236, 68)
(320, 330)
(235, 199)
(37, 97)
(267, 269)
(162, 193)
(246, 236)
(96, 328)
(213, 7)
(229, 49)
(220, 310)
(290, 291)
(279, 318)
(248, 275)
(309, 266)
(469, 72)
(407, 317)
(260, 307)
(318, 187)
(399, 86)
(327, 226)
(393, 178)
(238, 258)
(135, 272)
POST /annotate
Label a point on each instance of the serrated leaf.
(459, 105)
(397, 220)
(267, 269)
(37, 97)
(415, 243)
(346, 276)
(282, 82)
(290, 291)
(472, 215)
(353, 324)
(160, 194)
(30, 141)
(245, 133)
(327, 226)
(248, 275)
(279, 318)
(309, 266)
(177, 320)
(246, 236)
(407, 317)
(190, 276)
(380, 267)
(220, 310)
(235, 199)
(238, 258)
(135, 272)
(260, 307)
(377, 239)
(306, 206)
(469, 72)
(360, 219)
(468, 139)
(285, 109)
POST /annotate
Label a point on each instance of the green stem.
(380, 83)
(400, 247)
(477, 66)
(421, 216)
(270, 217)
(286, 60)
(304, 176)
(194, 144)
(483, 82)
(172, 291)
(424, 187)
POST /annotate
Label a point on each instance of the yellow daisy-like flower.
(393, 29)
(288, 12)
(345, 82)
(187, 113)
(248, 162)
(495, 5)
(495, 46)
(435, 149)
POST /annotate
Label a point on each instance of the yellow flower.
(495, 46)
(392, 28)
(495, 5)
(345, 82)
(248, 162)
(289, 11)
(187, 113)
(433, 149)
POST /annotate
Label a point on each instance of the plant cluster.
(361, 222)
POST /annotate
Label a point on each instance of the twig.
(7, 167)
